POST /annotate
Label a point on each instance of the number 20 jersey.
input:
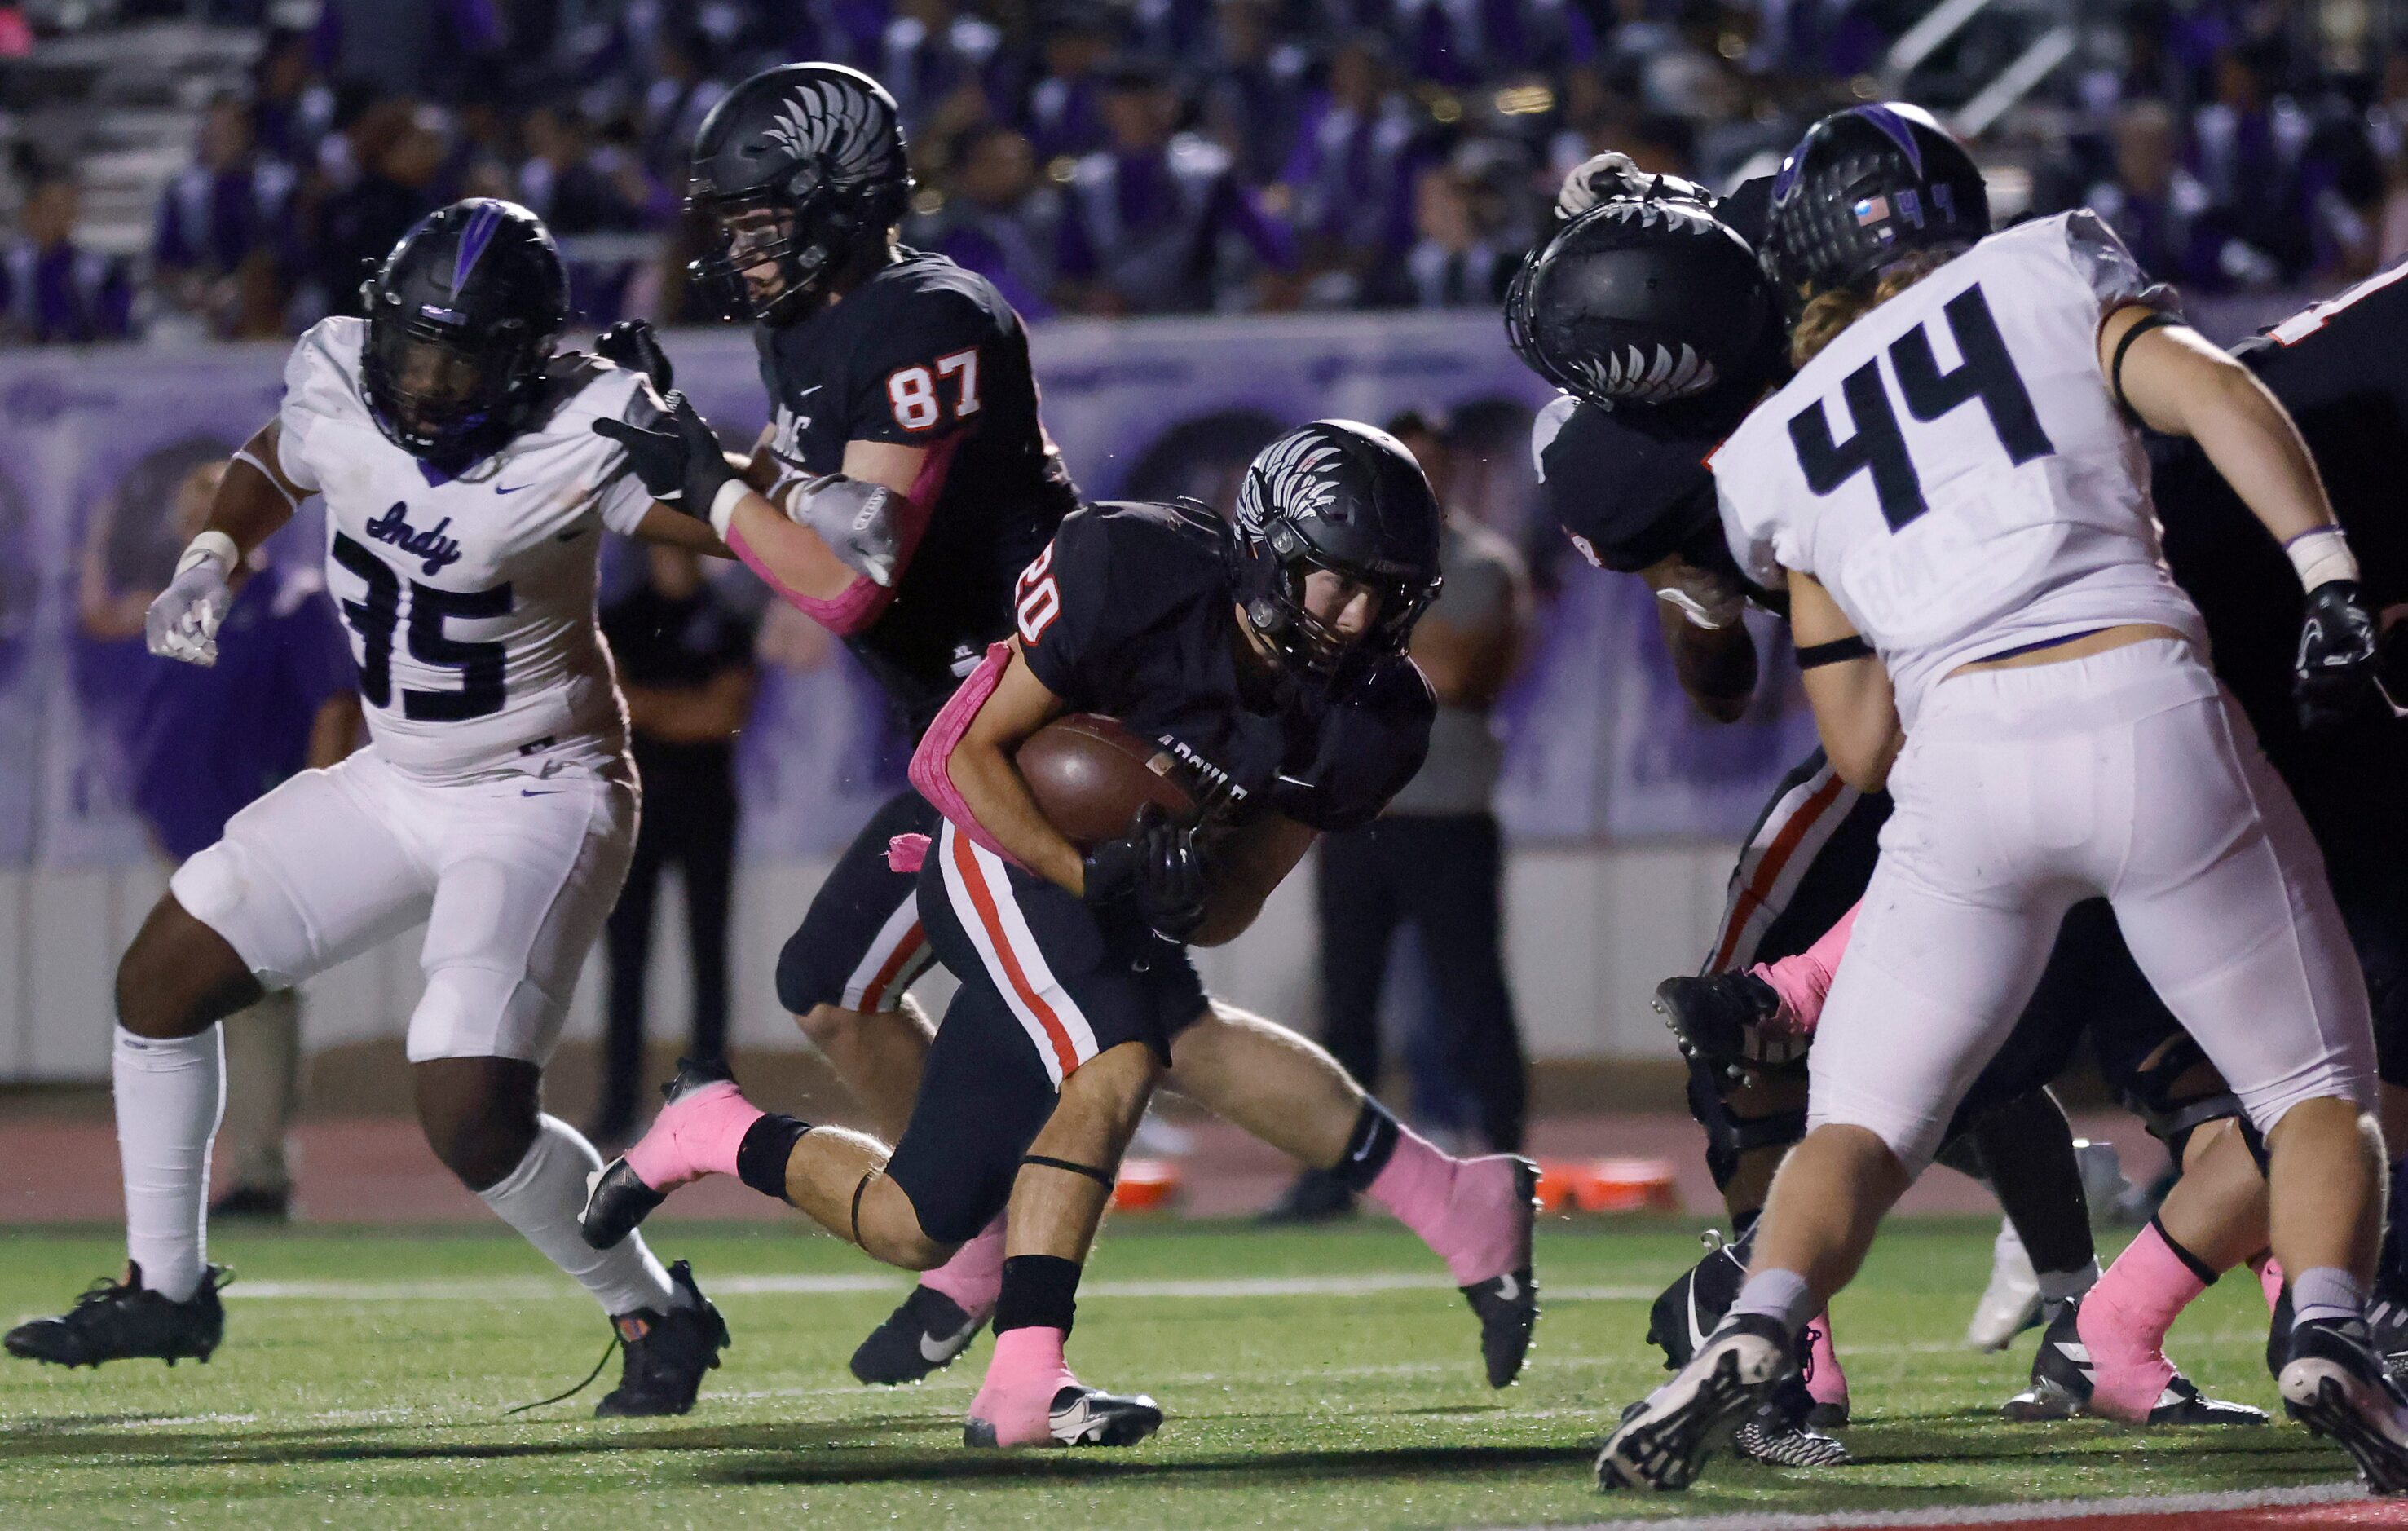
(1953, 468)
(470, 600)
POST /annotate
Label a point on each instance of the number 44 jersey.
(470, 600)
(1953, 468)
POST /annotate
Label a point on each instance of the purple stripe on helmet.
(1900, 132)
(482, 225)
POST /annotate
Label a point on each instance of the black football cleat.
(2063, 1380)
(917, 1339)
(1085, 1416)
(1726, 1021)
(1692, 1306)
(126, 1321)
(1665, 1438)
(1507, 1306)
(2386, 1336)
(2336, 1386)
(617, 1200)
(665, 1354)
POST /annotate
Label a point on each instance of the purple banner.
(97, 447)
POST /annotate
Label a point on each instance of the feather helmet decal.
(1289, 477)
(1627, 373)
(832, 128)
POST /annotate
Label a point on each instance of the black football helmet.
(1341, 496)
(799, 171)
(462, 319)
(1643, 301)
(1863, 187)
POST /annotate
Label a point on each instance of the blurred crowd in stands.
(1184, 156)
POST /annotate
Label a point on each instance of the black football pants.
(1444, 873)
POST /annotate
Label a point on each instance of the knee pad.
(1727, 1135)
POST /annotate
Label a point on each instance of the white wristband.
(215, 545)
(2321, 557)
(723, 504)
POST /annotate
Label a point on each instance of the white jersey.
(1953, 468)
(470, 601)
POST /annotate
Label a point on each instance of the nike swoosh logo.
(512, 488)
(1697, 1332)
(939, 1349)
(1509, 1287)
(808, 391)
(553, 793)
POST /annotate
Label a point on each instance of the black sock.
(1040, 1292)
(1368, 1147)
(761, 1158)
(2197, 1267)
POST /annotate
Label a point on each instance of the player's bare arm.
(2178, 383)
(982, 770)
(1712, 652)
(254, 499)
(1855, 712)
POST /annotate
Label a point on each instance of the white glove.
(182, 623)
(1612, 176)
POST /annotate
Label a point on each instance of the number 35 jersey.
(470, 600)
(1953, 468)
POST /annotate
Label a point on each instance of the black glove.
(2334, 678)
(1158, 866)
(676, 454)
(632, 344)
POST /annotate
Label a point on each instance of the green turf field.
(364, 1378)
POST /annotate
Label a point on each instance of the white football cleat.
(2011, 1304)
(1664, 1439)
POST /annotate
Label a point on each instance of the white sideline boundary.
(2022, 1514)
(542, 1289)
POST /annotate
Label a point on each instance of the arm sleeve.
(1062, 603)
(2116, 278)
(319, 387)
(918, 378)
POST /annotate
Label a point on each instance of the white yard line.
(2062, 1510)
(539, 1288)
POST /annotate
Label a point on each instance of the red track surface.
(58, 1169)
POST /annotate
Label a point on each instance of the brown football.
(1090, 775)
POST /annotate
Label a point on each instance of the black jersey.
(925, 353)
(2341, 368)
(1132, 613)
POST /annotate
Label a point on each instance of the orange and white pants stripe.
(1774, 861)
(978, 885)
(894, 962)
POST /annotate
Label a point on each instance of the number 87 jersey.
(1953, 468)
(469, 599)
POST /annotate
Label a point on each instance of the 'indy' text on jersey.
(1952, 469)
(470, 600)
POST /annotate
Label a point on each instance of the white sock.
(169, 1095)
(541, 1198)
(1777, 1295)
(2326, 1292)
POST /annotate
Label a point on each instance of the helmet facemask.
(1282, 596)
(772, 250)
(438, 390)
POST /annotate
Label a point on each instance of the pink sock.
(2123, 1323)
(1804, 981)
(695, 1137)
(1021, 1377)
(1825, 1381)
(1464, 1209)
(973, 1278)
(2270, 1279)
